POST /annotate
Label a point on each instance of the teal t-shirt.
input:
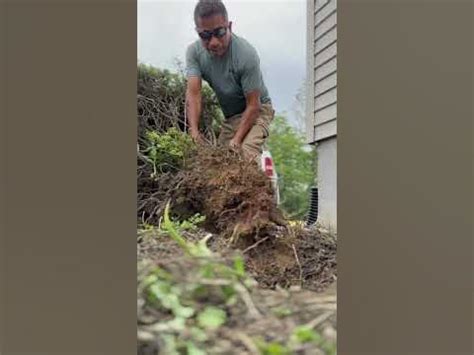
(230, 76)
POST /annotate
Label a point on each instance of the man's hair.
(208, 8)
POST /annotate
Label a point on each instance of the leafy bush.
(167, 151)
(161, 96)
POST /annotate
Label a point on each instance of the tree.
(298, 108)
(295, 163)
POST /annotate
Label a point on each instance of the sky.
(276, 28)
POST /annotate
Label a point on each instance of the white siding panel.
(322, 58)
(325, 99)
(327, 114)
(322, 12)
(319, 4)
(325, 84)
(326, 130)
(309, 70)
(325, 55)
(326, 40)
(325, 69)
(325, 26)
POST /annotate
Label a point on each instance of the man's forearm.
(249, 117)
(193, 105)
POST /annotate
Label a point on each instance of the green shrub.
(161, 102)
(167, 151)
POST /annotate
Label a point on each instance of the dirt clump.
(298, 256)
(234, 194)
(292, 256)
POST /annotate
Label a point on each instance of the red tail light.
(268, 166)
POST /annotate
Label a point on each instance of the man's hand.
(197, 137)
(235, 143)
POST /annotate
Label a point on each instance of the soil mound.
(252, 320)
(234, 195)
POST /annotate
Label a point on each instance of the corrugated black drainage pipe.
(313, 207)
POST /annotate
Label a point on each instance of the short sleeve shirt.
(231, 76)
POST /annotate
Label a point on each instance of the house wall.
(321, 106)
(327, 183)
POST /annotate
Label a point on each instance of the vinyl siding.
(322, 69)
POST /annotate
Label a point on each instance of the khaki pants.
(253, 142)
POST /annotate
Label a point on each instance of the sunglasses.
(217, 32)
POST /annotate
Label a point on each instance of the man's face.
(218, 43)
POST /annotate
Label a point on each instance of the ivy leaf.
(303, 334)
(272, 348)
(184, 312)
(170, 344)
(239, 266)
(192, 349)
(211, 318)
(177, 324)
(198, 334)
(276, 349)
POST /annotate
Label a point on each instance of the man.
(231, 66)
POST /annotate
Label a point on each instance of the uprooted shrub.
(233, 194)
(234, 199)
